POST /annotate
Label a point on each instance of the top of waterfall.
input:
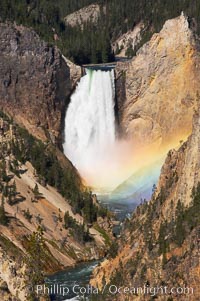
(103, 67)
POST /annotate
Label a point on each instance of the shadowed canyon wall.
(35, 81)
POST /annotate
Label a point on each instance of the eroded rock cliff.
(129, 39)
(156, 90)
(86, 14)
(35, 81)
(160, 245)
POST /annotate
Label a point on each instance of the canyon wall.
(160, 244)
(157, 89)
(35, 81)
(29, 205)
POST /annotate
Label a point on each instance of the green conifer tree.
(3, 217)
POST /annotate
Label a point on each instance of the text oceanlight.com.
(61, 290)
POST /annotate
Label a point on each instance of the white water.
(90, 122)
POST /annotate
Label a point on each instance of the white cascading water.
(90, 141)
(90, 122)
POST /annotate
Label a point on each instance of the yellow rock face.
(161, 85)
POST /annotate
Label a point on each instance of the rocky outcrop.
(156, 90)
(12, 277)
(86, 14)
(129, 39)
(35, 81)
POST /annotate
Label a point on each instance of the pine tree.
(3, 217)
(94, 55)
(36, 256)
(3, 173)
(36, 191)
(117, 51)
(180, 231)
(130, 52)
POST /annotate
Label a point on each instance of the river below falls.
(80, 274)
(72, 278)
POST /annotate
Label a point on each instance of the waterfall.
(90, 121)
(104, 161)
